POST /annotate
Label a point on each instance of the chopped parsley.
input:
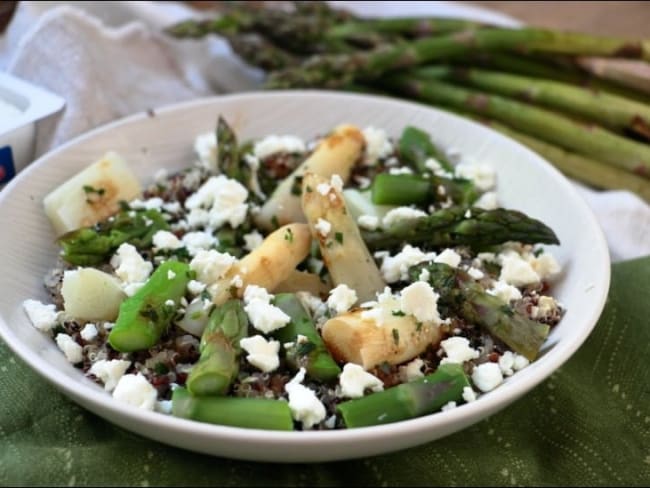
(339, 237)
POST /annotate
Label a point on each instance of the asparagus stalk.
(258, 51)
(589, 171)
(144, 316)
(464, 296)
(335, 71)
(408, 400)
(94, 245)
(416, 147)
(604, 108)
(312, 355)
(456, 226)
(218, 364)
(251, 413)
(405, 189)
(588, 140)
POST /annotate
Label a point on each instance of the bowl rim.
(492, 401)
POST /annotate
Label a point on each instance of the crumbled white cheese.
(411, 371)
(520, 362)
(132, 288)
(303, 402)
(73, 352)
(275, 144)
(237, 281)
(262, 354)
(136, 390)
(435, 167)
(545, 306)
(263, 316)
(163, 239)
(506, 363)
(515, 270)
(354, 380)
(448, 406)
(224, 200)
(129, 266)
(205, 147)
(419, 299)
(396, 268)
(211, 265)
(424, 275)
(89, 332)
(341, 298)
(253, 163)
(368, 222)
(458, 350)
(171, 275)
(109, 372)
(545, 265)
(323, 227)
(400, 214)
(487, 201)
(154, 203)
(505, 292)
(195, 287)
(469, 395)
(253, 240)
(404, 170)
(487, 376)
(43, 317)
(477, 274)
(323, 188)
(448, 257)
(163, 406)
(382, 310)
(336, 182)
(172, 207)
(377, 145)
(196, 241)
(483, 175)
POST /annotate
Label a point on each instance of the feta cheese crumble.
(109, 371)
(419, 299)
(43, 317)
(323, 227)
(378, 145)
(218, 201)
(483, 175)
(73, 352)
(505, 292)
(458, 350)
(262, 354)
(448, 257)
(134, 389)
(412, 370)
(89, 332)
(395, 268)
(399, 214)
(487, 376)
(275, 144)
(253, 240)
(129, 266)
(304, 404)
(212, 265)
(163, 239)
(354, 380)
(341, 298)
(368, 222)
(263, 316)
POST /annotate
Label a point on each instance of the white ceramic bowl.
(164, 140)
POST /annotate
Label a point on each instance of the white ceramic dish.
(18, 132)
(164, 140)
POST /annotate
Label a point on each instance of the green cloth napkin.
(588, 424)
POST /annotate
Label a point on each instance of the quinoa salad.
(350, 280)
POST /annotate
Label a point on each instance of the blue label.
(7, 168)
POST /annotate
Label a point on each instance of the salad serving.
(347, 281)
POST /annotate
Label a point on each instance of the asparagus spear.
(218, 364)
(94, 245)
(228, 155)
(456, 226)
(588, 140)
(603, 108)
(464, 296)
(251, 413)
(405, 189)
(416, 147)
(335, 71)
(146, 315)
(590, 171)
(312, 355)
(408, 400)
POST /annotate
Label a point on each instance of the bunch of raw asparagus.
(527, 83)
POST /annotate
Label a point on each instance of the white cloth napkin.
(109, 60)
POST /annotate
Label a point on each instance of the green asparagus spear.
(408, 400)
(460, 293)
(218, 364)
(603, 108)
(94, 245)
(312, 355)
(415, 147)
(405, 189)
(456, 226)
(335, 71)
(589, 140)
(258, 51)
(590, 171)
(146, 315)
(227, 155)
(251, 413)
(399, 26)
